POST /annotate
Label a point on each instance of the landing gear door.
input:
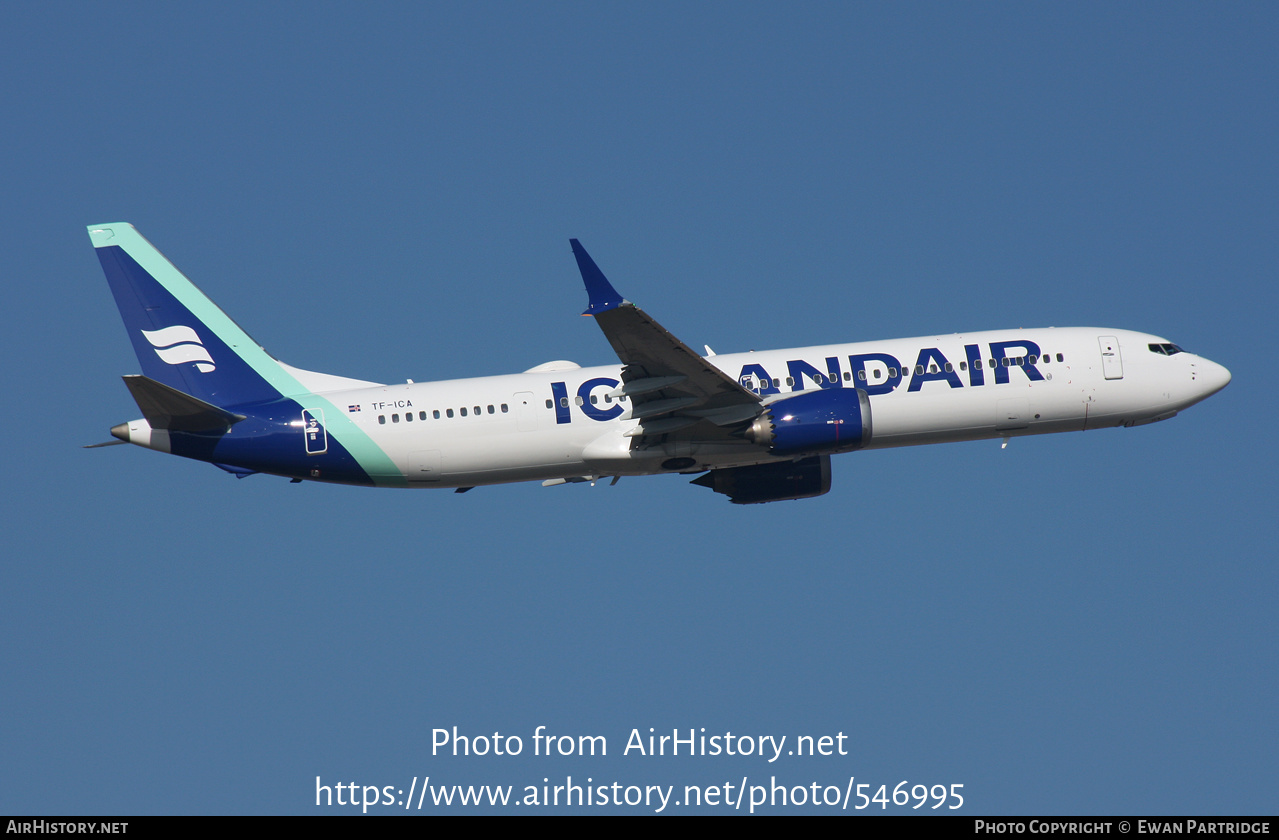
(1112, 364)
(317, 439)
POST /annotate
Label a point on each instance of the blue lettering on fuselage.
(931, 365)
(763, 382)
(976, 374)
(999, 351)
(928, 358)
(589, 408)
(873, 387)
(832, 365)
(561, 403)
(799, 368)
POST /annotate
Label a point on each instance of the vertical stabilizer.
(182, 339)
(202, 375)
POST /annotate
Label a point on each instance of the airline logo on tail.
(180, 345)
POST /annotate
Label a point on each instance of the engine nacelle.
(800, 479)
(831, 420)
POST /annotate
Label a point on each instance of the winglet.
(602, 294)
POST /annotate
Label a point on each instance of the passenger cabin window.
(449, 412)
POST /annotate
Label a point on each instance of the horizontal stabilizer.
(170, 409)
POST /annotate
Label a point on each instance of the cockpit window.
(1165, 349)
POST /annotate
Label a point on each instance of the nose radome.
(1212, 377)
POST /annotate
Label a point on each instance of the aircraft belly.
(976, 413)
(490, 458)
(902, 418)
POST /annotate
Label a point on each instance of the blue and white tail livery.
(757, 427)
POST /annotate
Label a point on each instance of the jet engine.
(831, 420)
(801, 479)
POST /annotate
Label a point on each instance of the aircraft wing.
(669, 386)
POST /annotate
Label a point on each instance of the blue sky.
(1081, 623)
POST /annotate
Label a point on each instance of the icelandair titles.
(881, 373)
(874, 373)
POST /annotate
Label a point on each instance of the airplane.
(757, 426)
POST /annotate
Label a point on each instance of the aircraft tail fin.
(182, 339)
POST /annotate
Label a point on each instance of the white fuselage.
(562, 423)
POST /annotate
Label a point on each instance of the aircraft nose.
(1211, 377)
